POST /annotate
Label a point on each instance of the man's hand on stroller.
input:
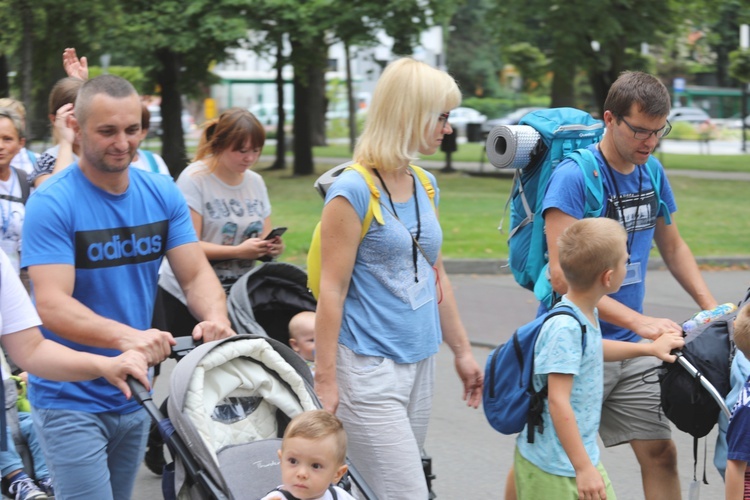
(130, 363)
(155, 345)
(651, 328)
(206, 331)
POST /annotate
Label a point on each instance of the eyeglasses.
(643, 134)
(443, 118)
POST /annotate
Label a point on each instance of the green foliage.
(684, 131)
(529, 61)
(132, 74)
(471, 208)
(739, 65)
(468, 33)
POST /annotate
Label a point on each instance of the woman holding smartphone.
(229, 206)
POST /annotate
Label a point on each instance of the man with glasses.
(635, 116)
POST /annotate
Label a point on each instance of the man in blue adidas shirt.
(635, 116)
(93, 242)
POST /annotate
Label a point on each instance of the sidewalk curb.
(500, 266)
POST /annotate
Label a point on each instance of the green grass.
(473, 152)
(709, 216)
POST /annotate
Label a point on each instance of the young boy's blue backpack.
(509, 399)
(562, 131)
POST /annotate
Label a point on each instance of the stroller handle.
(692, 370)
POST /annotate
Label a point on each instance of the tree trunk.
(317, 100)
(350, 99)
(4, 82)
(302, 146)
(280, 162)
(27, 57)
(173, 139)
(563, 86)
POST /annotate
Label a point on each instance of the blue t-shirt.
(559, 350)
(116, 243)
(738, 433)
(630, 200)
(378, 319)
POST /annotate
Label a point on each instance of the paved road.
(470, 459)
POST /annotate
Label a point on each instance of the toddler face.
(309, 466)
(304, 345)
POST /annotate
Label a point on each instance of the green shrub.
(684, 131)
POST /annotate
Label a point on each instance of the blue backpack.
(565, 133)
(509, 399)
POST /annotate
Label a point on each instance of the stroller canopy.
(265, 298)
(230, 401)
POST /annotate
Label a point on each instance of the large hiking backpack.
(509, 398)
(710, 349)
(373, 212)
(562, 131)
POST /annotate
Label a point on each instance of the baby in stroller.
(313, 458)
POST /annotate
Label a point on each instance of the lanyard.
(6, 216)
(631, 234)
(414, 239)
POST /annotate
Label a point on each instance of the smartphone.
(277, 231)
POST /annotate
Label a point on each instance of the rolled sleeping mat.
(511, 146)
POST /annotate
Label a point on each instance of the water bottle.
(707, 316)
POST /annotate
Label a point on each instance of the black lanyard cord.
(631, 234)
(415, 239)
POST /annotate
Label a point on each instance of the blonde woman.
(385, 303)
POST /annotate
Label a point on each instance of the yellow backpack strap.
(425, 180)
(373, 208)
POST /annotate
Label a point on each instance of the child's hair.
(63, 92)
(590, 247)
(231, 131)
(319, 424)
(14, 105)
(15, 119)
(742, 330)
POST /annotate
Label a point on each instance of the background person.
(386, 303)
(66, 149)
(93, 241)
(25, 159)
(12, 205)
(229, 208)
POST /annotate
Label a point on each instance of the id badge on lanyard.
(632, 274)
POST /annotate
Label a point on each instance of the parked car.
(462, 116)
(511, 118)
(688, 114)
(155, 129)
(268, 113)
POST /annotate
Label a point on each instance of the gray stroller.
(229, 404)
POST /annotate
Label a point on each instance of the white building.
(249, 80)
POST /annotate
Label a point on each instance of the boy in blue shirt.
(738, 455)
(563, 462)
